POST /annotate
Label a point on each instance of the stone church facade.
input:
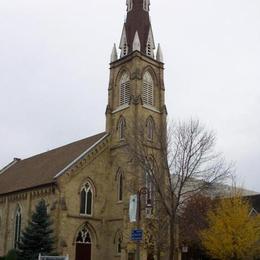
(86, 183)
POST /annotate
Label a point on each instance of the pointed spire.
(114, 56)
(150, 46)
(123, 46)
(137, 20)
(159, 55)
(137, 32)
(136, 42)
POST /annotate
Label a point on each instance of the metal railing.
(41, 257)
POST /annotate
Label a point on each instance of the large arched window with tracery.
(86, 199)
(17, 227)
(148, 89)
(124, 89)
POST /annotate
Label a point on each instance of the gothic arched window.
(124, 89)
(150, 189)
(150, 128)
(120, 184)
(83, 237)
(121, 128)
(118, 242)
(150, 186)
(86, 199)
(148, 89)
(17, 227)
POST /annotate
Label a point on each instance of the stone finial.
(159, 55)
(136, 43)
(114, 56)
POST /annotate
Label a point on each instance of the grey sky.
(54, 57)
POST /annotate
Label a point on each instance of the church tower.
(136, 97)
(136, 86)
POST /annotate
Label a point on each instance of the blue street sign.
(137, 235)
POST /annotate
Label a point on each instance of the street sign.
(137, 235)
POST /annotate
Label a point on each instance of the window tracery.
(86, 199)
(83, 237)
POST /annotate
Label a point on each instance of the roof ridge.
(41, 169)
(60, 147)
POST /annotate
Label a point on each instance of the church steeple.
(137, 23)
(136, 85)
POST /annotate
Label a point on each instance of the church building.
(86, 184)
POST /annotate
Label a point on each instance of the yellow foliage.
(232, 233)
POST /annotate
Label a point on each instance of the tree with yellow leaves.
(232, 234)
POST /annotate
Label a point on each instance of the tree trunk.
(172, 241)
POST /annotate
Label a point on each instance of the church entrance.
(83, 245)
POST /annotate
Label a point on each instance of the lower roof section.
(41, 169)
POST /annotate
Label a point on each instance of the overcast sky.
(54, 57)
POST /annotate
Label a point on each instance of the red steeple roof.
(137, 21)
(137, 31)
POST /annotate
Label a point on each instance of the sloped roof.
(137, 21)
(42, 168)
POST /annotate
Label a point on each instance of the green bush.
(11, 255)
(2, 258)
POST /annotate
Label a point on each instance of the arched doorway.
(83, 245)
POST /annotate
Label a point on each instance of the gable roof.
(41, 169)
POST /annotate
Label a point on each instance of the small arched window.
(150, 186)
(118, 242)
(86, 200)
(124, 89)
(17, 228)
(121, 128)
(150, 128)
(120, 184)
(150, 189)
(148, 88)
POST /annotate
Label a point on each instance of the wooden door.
(83, 251)
(83, 245)
(150, 256)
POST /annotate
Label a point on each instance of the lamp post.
(142, 191)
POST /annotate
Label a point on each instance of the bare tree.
(180, 162)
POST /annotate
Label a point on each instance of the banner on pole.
(133, 208)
